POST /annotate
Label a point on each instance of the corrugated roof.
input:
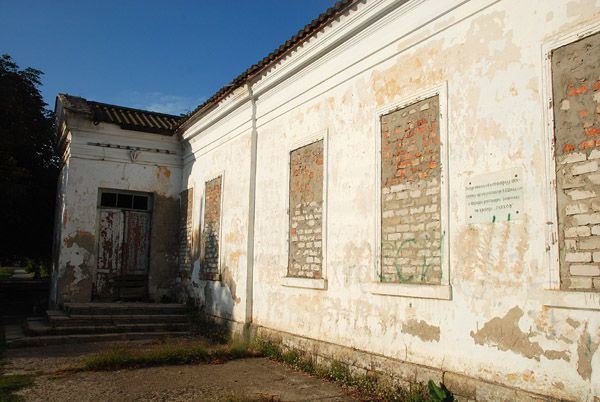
(314, 26)
(125, 117)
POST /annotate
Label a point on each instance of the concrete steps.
(42, 328)
(33, 341)
(123, 308)
(59, 318)
(93, 322)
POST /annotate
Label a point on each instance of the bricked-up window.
(209, 248)
(186, 204)
(306, 212)
(410, 194)
(576, 103)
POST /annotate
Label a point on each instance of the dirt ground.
(245, 379)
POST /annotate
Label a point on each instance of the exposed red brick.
(306, 201)
(185, 229)
(586, 144)
(592, 131)
(410, 230)
(209, 249)
(574, 91)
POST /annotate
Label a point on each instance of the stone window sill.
(572, 300)
(418, 291)
(307, 283)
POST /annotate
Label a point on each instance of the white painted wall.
(489, 54)
(222, 149)
(90, 167)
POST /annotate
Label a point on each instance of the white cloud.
(160, 102)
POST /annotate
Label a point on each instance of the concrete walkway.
(20, 273)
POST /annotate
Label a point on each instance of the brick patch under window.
(410, 194)
(186, 204)
(209, 250)
(576, 95)
(306, 211)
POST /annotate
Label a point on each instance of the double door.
(123, 254)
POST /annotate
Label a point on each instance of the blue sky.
(161, 55)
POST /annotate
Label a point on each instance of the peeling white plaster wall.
(498, 325)
(89, 168)
(222, 149)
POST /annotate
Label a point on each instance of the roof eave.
(287, 47)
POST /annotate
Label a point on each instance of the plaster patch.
(573, 323)
(505, 334)
(557, 355)
(162, 171)
(586, 348)
(83, 239)
(421, 329)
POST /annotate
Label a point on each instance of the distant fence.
(20, 298)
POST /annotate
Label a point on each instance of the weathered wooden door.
(110, 253)
(136, 242)
(123, 254)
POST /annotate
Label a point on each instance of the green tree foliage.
(28, 164)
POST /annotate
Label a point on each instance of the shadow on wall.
(214, 293)
(212, 297)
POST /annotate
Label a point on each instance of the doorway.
(123, 245)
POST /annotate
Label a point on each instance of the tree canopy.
(28, 164)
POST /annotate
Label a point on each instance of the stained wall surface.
(494, 311)
(220, 151)
(91, 167)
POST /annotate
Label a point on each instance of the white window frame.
(308, 283)
(442, 291)
(554, 296)
(206, 179)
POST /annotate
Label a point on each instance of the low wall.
(398, 372)
(385, 369)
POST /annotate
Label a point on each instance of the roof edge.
(131, 109)
(272, 58)
(126, 118)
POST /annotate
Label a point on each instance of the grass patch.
(162, 355)
(368, 387)
(13, 383)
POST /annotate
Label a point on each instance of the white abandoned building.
(409, 187)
